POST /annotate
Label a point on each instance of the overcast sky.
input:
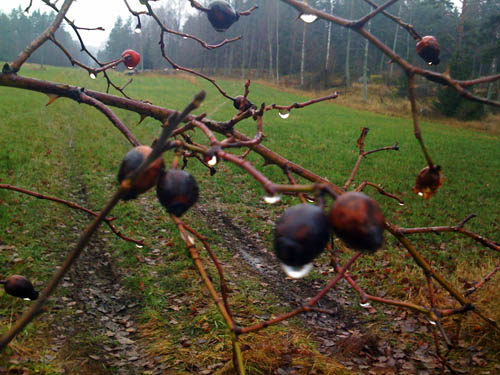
(89, 13)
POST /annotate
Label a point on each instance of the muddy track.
(345, 333)
(327, 328)
(102, 308)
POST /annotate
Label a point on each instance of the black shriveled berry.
(177, 191)
(132, 160)
(429, 50)
(358, 221)
(20, 286)
(221, 15)
(300, 235)
(243, 104)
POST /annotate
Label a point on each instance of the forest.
(274, 47)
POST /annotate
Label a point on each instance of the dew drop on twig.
(272, 199)
(365, 305)
(138, 30)
(187, 238)
(432, 322)
(401, 204)
(184, 37)
(308, 18)
(92, 75)
(284, 114)
(212, 161)
(139, 246)
(297, 272)
(130, 67)
(420, 193)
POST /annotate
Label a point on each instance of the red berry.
(429, 180)
(20, 286)
(300, 235)
(429, 50)
(221, 15)
(177, 191)
(358, 221)
(132, 160)
(131, 58)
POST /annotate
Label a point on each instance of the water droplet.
(188, 239)
(365, 305)
(297, 272)
(420, 193)
(26, 299)
(92, 75)
(177, 69)
(130, 67)
(138, 29)
(272, 199)
(212, 161)
(401, 204)
(284, 114)
(430, 63)
(432, 322)
(310, 200)
(184, 37)
(308, 18)
(139, 246)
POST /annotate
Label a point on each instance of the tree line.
(18, 29)
(277, 46)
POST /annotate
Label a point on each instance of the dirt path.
(345, 333)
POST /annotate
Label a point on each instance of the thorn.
(52, 98)
(143, 117)
(447, 71)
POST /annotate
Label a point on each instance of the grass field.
(71, 151)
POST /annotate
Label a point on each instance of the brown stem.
(72, 256)
(361, 186)
(306, 307)
(479, 284)
(411, 30)
(194, 72)
(360, 23)
(72, 205)
(302, 105)
(23, 56)
(457, 228)
(416, 126)
(110, 115)
(224, 290)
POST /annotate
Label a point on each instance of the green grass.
(71, 151)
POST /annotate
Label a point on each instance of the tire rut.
(102, 309)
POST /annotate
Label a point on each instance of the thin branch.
(23, 56)
(302, 105)
(107, 220)
(457, 228)
(304, 308)
(361, 22)
(411, 30)
(110, 115)
(380, 190)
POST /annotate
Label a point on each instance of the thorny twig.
(107, 220)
